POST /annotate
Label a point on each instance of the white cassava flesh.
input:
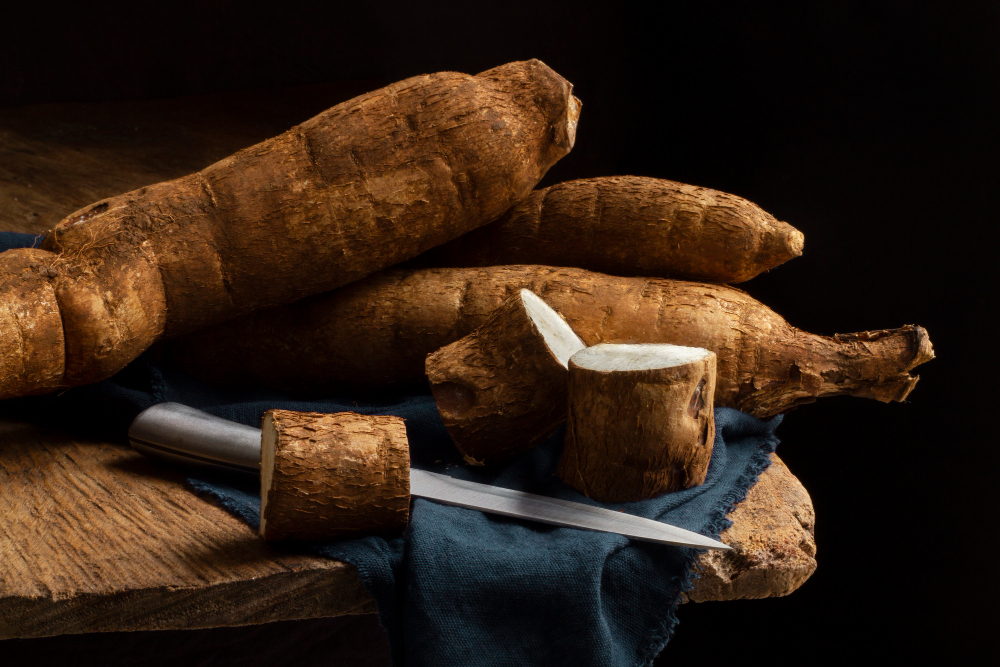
(559, 336)
(640, 420)
(640, 357)
(502, 389)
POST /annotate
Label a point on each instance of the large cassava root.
(362, 186)
(380, 330)
(630, 226)
(326, 476)
(502, 389)
(640, 420)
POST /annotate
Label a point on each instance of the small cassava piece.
(631, 226)
(381, 329)
(640, 420)
(326, 476)
(502, 389)
(364, 185)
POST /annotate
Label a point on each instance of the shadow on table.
(345, 640)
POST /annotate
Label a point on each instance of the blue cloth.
(460, 587)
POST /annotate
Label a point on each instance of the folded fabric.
(460, 587)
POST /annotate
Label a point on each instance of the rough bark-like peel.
(32, 348)
(634, 433)
(630, 226)
(380, 330)
(362, 186)
(326, 476)
(501, 390)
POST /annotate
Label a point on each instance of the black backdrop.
(871, 126)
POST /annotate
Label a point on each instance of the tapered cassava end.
(641, 420)
(329, 476)
(501, 390)
(795, 241)
(630, 226)
(779, 242)
(866, 364)
(542, 90)
(32, 348)
(882, 360)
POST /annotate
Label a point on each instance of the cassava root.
(364, 185)
(381, 329)
(502, 389)
(327, 476)
(640, 420)
(630, 226)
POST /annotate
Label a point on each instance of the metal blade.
(522, 505)
(186, 435)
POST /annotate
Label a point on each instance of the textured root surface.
(631, 226)
(112, 308)
(380, 330)
(32, 348)
(502, 389)
(640, 420)
(329, 476)
(364, 185)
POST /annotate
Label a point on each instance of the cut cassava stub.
(326, 476)
(640, 420)
(502, 389)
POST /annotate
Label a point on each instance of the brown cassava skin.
(636, 434)
(630, 226)
(333, 475)
(362, 186)
(380, 330)
(500, 390)
(32, 348)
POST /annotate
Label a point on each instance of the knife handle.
(323, 476)
(182, 434)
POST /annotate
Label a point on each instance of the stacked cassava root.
(364, 185)
(246, 265)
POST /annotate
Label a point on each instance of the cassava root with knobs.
(502, 389)
(640, 420)
(381, 329)
(326, 476)
(364, 185)
(630, 226)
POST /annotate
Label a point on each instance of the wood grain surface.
(95, 538)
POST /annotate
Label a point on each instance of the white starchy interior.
(644, 357)
(268, 442)
(561, 339)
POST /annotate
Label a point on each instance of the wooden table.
(95, 538)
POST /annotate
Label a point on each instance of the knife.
(183, 434)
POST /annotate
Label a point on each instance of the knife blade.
(183, 434)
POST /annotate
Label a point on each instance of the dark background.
(870, 126)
